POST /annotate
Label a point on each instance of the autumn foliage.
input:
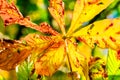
(50, 52)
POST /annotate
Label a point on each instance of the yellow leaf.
(51, 60)
(56, 9)
(77, 61)
(85, 10)
(85, 50)
(104, 33)
(39, 43)
(47, 52)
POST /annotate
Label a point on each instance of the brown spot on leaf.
(105, 42)
(100, 3)
(92, 25)
(97, 42)
(93, 59)
(88, 32)
(97, 33)
(85, 13)
(105, 74)
(93, 1)
(81, 39)
(112, 39)
(111, 25)
(118, 32)
(77, 62)
(118, 54)
(6, 22)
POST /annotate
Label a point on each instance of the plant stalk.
(67, 52)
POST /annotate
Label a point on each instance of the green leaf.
(113, 65)
(24, 71)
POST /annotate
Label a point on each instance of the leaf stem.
(67, 52)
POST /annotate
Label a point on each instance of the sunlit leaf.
(85, 10)
(105, 35)
(48, 51)
(12, 53)
(77, 61)
(113, 65)
(40, 43)
(56, 9)
(85, 50)
(77, 12)
(51, 60)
